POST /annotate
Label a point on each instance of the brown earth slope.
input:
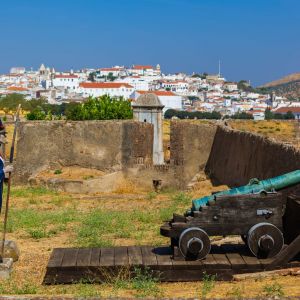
(286, 79)
(288, 86)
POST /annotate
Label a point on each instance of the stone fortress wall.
(104, 145)
(125, 147)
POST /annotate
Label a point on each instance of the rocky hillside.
(288, 86)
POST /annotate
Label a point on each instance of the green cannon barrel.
(254, 186)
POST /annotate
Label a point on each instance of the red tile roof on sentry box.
(104, 85)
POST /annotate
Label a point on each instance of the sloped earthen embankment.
(237, 156)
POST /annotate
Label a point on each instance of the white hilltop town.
(194, 92)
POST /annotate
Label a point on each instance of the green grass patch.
(273, 290)
(29, 192)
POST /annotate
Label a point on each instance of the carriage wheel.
(244, 238)
(194, 243)
(265, 240)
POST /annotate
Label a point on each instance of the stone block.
(11, 250)
(6, 268)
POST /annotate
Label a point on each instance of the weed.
(273, 290)
(166, 213)
(144, 217)
(145, 283)
(37, 233)
(26, 289)
(208, 283)
(182, 199)
(151, 195)
(30, 192)
(58, 171)
(33, 201)
(87, 177)
(87, 290)
(236, 292)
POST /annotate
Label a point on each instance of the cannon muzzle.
(253, 187)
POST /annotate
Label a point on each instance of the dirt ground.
(72, 173)
(28, 272)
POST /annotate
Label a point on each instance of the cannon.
(253, 211)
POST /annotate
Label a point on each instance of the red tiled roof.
(284, 110)
(104, 85)
(65, 76)
(17, 88)
(157, 93)
(138, 67)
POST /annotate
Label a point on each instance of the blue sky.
(257, 40)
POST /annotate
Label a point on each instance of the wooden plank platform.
(98, 264)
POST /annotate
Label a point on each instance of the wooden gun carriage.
(255, 212)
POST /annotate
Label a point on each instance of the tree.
(36, 114)
(268, 114)
(11, 102)
(289, 116)
(242, 116)
(102, 108)
(181, 114)
(92, 76)
(196, 75)
(111, 77)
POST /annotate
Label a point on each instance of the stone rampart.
(190, 146)
(238, 156)
(103, 145)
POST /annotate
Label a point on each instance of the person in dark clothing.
(3, 170)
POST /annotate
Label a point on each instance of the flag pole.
(11, 159)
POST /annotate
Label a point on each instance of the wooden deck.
(71, 265)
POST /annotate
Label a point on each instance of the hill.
(288, 86)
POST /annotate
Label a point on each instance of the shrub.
(102, 108)
(36, 114)
(170, 113)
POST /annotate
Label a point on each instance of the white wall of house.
(138, 83)
(111, 90)
(70, 82)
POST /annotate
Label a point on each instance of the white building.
(67, 81)
(230, 86)
(180, 87)
(144, 70)
(168, 99)
(17, 70)
(115, 71)
(113, 89)
(138, 82)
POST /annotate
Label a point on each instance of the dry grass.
(127, 186)
(74, 172)
(279, 130)
(64, 221)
